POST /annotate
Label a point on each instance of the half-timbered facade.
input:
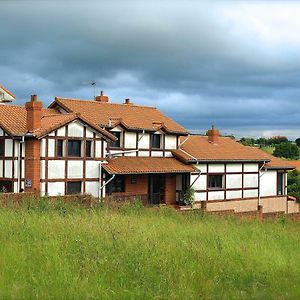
(126, 150)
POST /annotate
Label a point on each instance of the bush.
(293, 184)
(189, 197)
(286, 150)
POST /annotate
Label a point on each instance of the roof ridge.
(106, 103)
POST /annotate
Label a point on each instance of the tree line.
(282, 146)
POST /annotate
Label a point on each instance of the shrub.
(286, 150)
(189, 197)
(293, 184)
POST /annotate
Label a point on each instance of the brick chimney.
(102, 98)
(32, 146)
(213, 135)
(127, 102)
(34, 113)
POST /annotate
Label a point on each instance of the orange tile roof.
(13, 118)
(7, 91)
(54, 121)
(146, 165)
(295, 163)
(226, 150)
(13, 121)
(130, 116)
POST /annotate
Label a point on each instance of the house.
(126, 150)
(233, 176)
(5, 95)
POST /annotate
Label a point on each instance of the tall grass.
(64, 251)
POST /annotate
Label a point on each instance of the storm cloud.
(234, 64)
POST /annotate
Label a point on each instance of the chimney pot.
(33, 98)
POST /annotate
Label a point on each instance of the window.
(74, 148)
(280, 184)
(133, 179)
(88, 149)
(6, 187)
(155, 142)
(118, 184)
(73, 187)
(117, 143)
(215, 181)
(59, 148)
(2, 147)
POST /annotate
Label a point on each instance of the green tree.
(286, 150)
(297, 141)
(293, 184)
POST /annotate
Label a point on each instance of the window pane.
(156, 140)
(215, 181)
(2, 143)
(74, 148)
(73, 187)
(60, 148)
(6, 187)
(116, 143)
(88, 149)
(118, 185)
(280, 184)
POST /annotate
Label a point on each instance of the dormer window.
(156, 141)
(117, 143)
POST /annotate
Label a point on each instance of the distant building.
(5, 95)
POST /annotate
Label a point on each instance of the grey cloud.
(183, 56)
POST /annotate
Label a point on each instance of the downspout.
(20, 162)
(260, 175)
(100, 178)
(107, 182)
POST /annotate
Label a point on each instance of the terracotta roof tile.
(141, 165)
(52, 121)
(226, 150)
(130, 116)
(13, 121)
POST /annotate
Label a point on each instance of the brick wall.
(32, 164)
(140, 187)
(170, 189)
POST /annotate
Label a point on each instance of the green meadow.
(63, 251)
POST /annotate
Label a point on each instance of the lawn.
(66, 252)
(268, 149)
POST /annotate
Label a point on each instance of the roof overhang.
(127, 165)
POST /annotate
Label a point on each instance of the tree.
(293, 184)
(286, 150)
(297, 141)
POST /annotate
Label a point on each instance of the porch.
(154, 180)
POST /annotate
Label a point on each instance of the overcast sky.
(235, 64)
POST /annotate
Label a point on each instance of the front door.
(156, 189)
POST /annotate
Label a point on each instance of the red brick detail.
(213, 135)
(140, 187)
(32, 164)
(34, 113)
(170, 189)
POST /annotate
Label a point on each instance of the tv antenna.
(93, 84)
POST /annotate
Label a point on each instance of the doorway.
(156, 189)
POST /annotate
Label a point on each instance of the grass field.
(66, 252)
(268, 149)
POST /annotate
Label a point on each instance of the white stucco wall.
(268, 183)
